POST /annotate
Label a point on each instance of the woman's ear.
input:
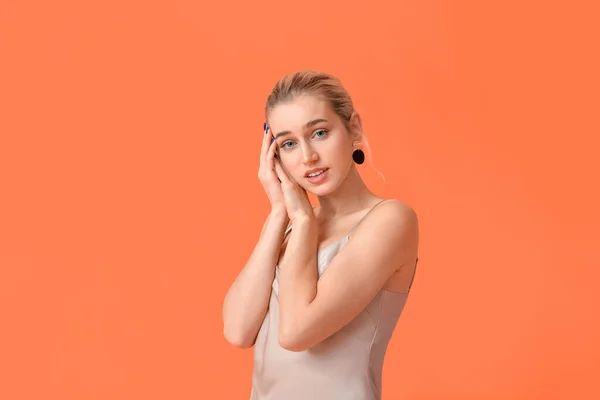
(355, 126)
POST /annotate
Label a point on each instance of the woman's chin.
(320, 191)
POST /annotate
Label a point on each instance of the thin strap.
(287, 230)
(365, 216)
(414, 274)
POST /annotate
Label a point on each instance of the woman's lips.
(319, 178)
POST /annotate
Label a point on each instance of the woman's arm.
(313, 309)
(247, 300)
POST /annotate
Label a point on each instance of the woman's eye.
(286, 144)
(322, 132)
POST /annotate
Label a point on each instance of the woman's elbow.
(292, 342)
(238, 339)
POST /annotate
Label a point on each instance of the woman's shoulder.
(395, 206)
(391, 213)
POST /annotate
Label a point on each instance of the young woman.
(324, 287)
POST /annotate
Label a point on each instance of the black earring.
(358, 156)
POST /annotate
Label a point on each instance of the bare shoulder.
(392, 223)
(392, 215)
(396, 206)
(383, 243)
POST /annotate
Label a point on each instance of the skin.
(381, 252)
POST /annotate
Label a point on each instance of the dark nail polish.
(265, 128)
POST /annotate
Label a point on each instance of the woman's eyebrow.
(307, 125)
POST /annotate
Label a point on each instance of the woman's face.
(311, 136)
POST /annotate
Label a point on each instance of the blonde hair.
(322, 85)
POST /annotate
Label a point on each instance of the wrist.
(303, 220)
(279, 213)
(305, 233)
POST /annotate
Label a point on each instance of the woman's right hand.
(266, 172)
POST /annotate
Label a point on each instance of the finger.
(281, 174)
(287, 177)
(305, 194)
(265, 142)
(287, 174)
(270, 155)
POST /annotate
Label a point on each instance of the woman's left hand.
(296, 199)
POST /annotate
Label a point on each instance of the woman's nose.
(309, 156)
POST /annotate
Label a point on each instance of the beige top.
(345, 366)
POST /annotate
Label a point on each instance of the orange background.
(130, 134)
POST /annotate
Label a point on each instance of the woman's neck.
(352, 196)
